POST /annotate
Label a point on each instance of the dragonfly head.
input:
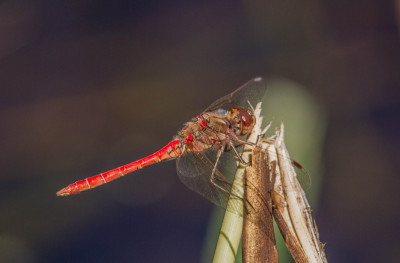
(242, 120)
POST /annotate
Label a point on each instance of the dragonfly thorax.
(205, 131)
(215, 129)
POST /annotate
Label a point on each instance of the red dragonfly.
(205, 148)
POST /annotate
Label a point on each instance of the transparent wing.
(252, 91)
(194, 170)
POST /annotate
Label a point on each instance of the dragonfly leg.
(212, 177)
(238, 155)
(232, 192)
(241, 141)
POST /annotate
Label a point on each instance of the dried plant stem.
(274, 178)
(259, 243)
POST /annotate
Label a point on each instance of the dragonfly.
(207, 149)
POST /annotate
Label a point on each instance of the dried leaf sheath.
(292, 212)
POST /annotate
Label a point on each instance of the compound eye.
(245, 118)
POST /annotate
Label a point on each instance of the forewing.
(252, 91)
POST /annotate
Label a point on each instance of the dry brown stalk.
(258, 240)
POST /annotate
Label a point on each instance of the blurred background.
(87, 86)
